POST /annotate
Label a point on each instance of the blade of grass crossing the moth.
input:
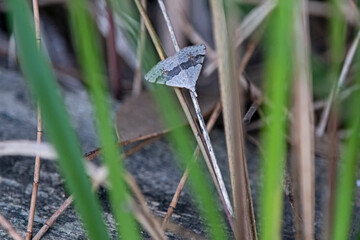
(273, 137)
(89, 56)
(45, 90)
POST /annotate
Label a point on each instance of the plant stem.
(38, 134)
(210, 124)
(209, 148)
(7, 226)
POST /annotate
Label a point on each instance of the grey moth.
(181, 70)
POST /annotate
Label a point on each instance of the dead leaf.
(138, 118)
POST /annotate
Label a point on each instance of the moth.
(181, 70)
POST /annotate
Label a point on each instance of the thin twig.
(9, 228)
(250, 113)
(255, 96)
(344, 94)
(39, 134)
(210, 124)
(196, 38)
(336, 88)
(184, 105)
(142, 211)
(249, 51)
(53, 218)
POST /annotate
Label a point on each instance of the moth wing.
(158, 74)
(181, 70)
(190, 60)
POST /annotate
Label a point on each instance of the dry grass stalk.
(27, 148)
(337, 85)
(113, 66)
(205, 134)
(177, 11)
(253, 20)
(9, 228)
(318, 105)
(136, 87)
(329, 196)
(53, 218)
(185, 107)
(255, 93)
(230, 96)
(302, 128)
(250, 23)
(323, 9)
(195, 37)
(38, 135)
(214, 116)
(142, 212)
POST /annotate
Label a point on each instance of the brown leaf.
(138, 119)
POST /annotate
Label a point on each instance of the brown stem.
(53, 218)
(38, 137)
(7, 226)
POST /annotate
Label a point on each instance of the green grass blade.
(348, 169)
(348, 165)
(88, 50)
(274, 142)
(45, 90)
(184, 145)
